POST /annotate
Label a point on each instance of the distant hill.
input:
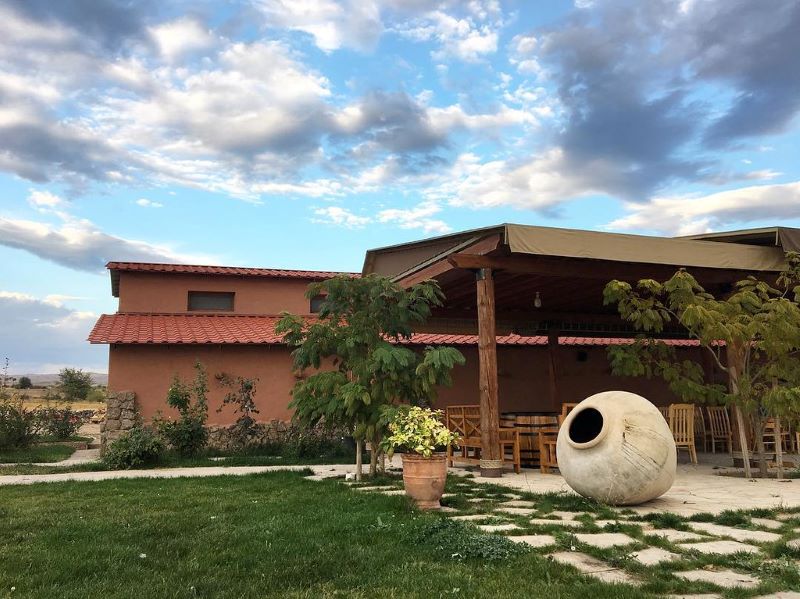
(45, 380)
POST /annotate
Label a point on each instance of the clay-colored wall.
(148, 371)
(523, 374)
(168, 293)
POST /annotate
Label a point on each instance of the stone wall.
(120, 417)
(221, 437)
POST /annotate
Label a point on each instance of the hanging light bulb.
(537, 301)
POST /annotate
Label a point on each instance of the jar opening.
(586, 425)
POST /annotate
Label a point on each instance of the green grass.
(270, 535)
(36, 453)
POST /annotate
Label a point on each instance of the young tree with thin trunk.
(356, 346)
(752, 336)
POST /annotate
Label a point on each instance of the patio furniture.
(681, 423)
(548, 459)
(701, 431)
(566, 408)
(664, 412)
(465, 420)
(719, 428)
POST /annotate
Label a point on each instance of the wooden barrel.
(529, 424)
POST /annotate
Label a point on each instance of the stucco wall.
(168, 293)
(523, 373)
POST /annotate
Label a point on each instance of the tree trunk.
(373, 458)
(779, 447)
(758, 421)
(735, 357)
(359, 447)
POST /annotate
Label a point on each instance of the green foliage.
(74, 384)
(18, 426)
(459, 541)
(302, 442)
(141, 446)
(242, 397)
(24, 383)
(355, 345)
(187, 435)
(97, 394)
(758, 325)
(418, 430)
(61, 423)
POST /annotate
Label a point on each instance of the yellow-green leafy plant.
(418, 430)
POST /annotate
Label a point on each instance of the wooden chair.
(701, 432)
(681, 423)
(664, 412)
(719, 428)
(547, 449)
(566, 408)
(465, 420)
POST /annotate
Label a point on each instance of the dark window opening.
(586, 425)
(211, 301)
(316, 303)
(583, 356)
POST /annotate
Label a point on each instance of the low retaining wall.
(120, 417)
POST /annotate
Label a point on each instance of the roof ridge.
(112, 264)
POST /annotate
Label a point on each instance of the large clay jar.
(616, 447)
(424, 479)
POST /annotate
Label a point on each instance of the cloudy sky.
(298, 133)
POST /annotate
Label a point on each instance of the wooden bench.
(465, 420)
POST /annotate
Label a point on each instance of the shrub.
(242, 398)
(61, 423)
(24, 383)
(187, 435)
(97, 394)
(463, 542)
(140, 447)
(74, 383)
(18, 426)
(304, 442)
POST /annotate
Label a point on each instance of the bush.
(24, 383)
(61, 423)
(242, 398)
(97, 394)
(74, 383)
(18, 426)
(187, 435)
(140, 447)
(303, 442)
(463, 542)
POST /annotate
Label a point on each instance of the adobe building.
(524, 304)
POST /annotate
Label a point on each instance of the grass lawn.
(36, 453)
(269, 535)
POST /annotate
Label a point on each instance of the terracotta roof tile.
(224, 270)
(216, 329)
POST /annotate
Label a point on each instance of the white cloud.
(145, 203)
(177, 38)
(79, 243)
(333, 25)
(418, 217)
(336, 215)
(37, 332)
(44, 200)
(459, 38)
(687, 215)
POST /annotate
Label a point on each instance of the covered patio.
(523, 282)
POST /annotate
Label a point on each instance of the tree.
(752, 337)
(24, 383)
(355, 344)
(74, 384)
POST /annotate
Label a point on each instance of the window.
(211, 301)
(316, 303)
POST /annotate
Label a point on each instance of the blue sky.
(298, 134)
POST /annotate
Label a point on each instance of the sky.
(300, 133)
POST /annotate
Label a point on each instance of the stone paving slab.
(723, 578)
(471, 517)
(739, 534)
(700, 596)
(394, 492)
(518, 503)
(546, 522)
(516, 511)
(652, 556)
(380, 489)
(566, 515)
(497, 527)
(677, 536)
(604, 540)
(534, 540)
(793, 544)
(780, 595)
(590, 566)
(723, 547)
(767, 523)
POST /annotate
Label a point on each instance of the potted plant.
(423, 438)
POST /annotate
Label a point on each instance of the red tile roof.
(240, 271)
(217, 329)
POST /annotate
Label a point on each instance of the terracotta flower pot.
(424, 479)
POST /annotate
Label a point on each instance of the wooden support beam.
(436, 268)
(552, 370)
(491, 460)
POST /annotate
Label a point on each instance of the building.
(524, 304)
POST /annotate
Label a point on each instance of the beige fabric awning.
(569, 243)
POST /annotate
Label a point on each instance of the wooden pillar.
(491, 460)
(552, 370)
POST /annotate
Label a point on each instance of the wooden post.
(491, 460)
(552, 370)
